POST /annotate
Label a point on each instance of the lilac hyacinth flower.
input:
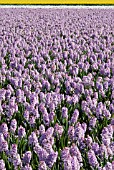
(42, 165)
(111, 107)
(1, 137)
(43, 154)
(42, 129)
(108, 166)
(13, 125)
(75, 163)
(106, 140)
(79, 132)
(21, 132)
(96, 95)
(65, 113)
(112, 164)
(67, 165)
(32, 139)
(92, 159)
(46, 119)
(110, 152)
(13, 150)
(2, 94)
(84, 126)
(107, 114)
(112, 124)
(4, 146)
(102, 151)
(4, 129)
(26, 115)
(8, 94)
(75, 116)
(75, 99)
(51, 159)
(32, 121)
(26, 167)
(2, 164)
(92, 122)
(52, 106)
(95, 147)
(27, 157)
(49, 132)
(17, 161)
(65, 153)
(51, 116)
(74, 151)
(47, 146)
(12, 101)
(19, 96)
(58, 129)
(112, 146)
(71, 133)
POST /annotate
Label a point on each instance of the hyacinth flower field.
(56, 89)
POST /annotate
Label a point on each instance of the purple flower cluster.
(56, 89)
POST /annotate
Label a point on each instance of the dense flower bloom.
(79, 132)
(67, 164)
(17, 161)
(56, 88)
(51, 159)
(108, 166)
(65, 112)
(95, 147)
(42, 129)
(27, 157)
(75, 163)
(27, 167)
(93, 122)
(21, 132)
(13, 150)
(13, 125)
(74, 117)
(92, 158)
(65, 154)
(74, 151)
(2, 164)
(71, 132)
(58, 129)
(32, 140)
(42, 166)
